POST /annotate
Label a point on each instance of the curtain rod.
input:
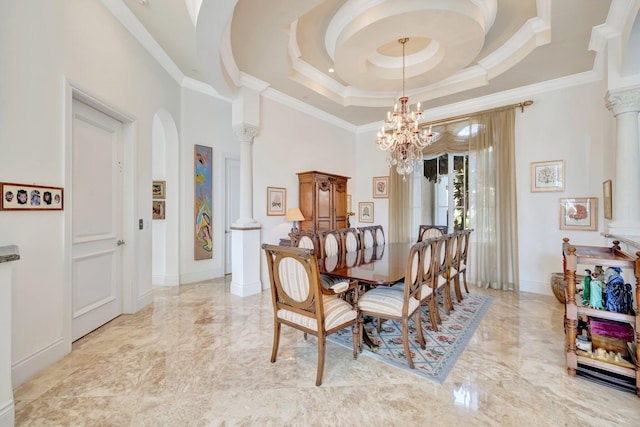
(521, 105)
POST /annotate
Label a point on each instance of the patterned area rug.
(443, 347)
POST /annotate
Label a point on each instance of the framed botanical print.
(547, 176)
(158, 209)
(380, 187)
(276, 201)
(579, 214)
(365, 211)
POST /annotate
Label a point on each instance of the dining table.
(383, 265)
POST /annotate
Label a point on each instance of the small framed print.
(579, 214)
(607, 199)
(158, 209)
(547, 176)
(365, 211)
(25, 197)
(276, 201)
(158, 189)
(380, 187)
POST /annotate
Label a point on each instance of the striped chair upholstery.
(299, 302)
(368, 239)
(429, 231)
(350, 239)
(379, 234)
(399, 302)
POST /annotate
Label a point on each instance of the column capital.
(623, 100)
(245, 132)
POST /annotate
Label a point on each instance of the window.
(445, 198)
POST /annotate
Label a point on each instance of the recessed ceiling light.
(331, 70)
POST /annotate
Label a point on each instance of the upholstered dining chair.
(429, 231)
(330, 243)
(367, 237)
(350, 239)
(399, 302)
(299, 301)
(428, 294)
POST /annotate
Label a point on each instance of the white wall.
(41, 44)
(289, 142)
(205, 121)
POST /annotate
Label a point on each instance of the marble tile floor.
(199, 356)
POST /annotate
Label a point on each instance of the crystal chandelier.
(400, 136)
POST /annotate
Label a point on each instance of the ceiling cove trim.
(498, 99)
(534, 33)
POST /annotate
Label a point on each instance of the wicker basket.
(557, 285)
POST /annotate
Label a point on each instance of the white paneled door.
(96, 196)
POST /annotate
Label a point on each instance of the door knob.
(120, 242)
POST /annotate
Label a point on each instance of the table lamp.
(294, 214)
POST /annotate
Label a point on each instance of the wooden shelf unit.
(574, 255)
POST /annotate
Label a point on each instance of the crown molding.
(128, 20)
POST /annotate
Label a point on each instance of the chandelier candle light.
(400, 136)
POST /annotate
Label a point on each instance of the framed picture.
(158, 189)
(25, 197)
(276, 201)
(579, 214)
(365, 211)
(547, 176)
(202, 202)
(380, 187)
(607, 199)
(158, 209)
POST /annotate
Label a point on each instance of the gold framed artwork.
(380, 187)
(276, 201)
(365, 211)
(158, 189)
(579, 214)
(25, 197)
(607, 199)
(158, 209)
(547, 176)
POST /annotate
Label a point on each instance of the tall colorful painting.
(203, 240)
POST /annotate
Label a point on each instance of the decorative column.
(7, 407)
(625, 106)
(245, 231)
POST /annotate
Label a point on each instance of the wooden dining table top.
(379, 265)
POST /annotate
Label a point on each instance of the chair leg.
(321, 343)
(456, 287)
(446, 298)
(355, 330)
(433, 313)
(405, 339)
(276, 341)
(418, 319)
(464, 272)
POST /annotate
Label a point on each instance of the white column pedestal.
(245, 269)
(7, 407)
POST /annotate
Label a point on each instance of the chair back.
(295, 284)
(306, 240)
(465, 235)
(413, 275)
(429, 231)
(330, 243)
(443, 261)
(430, 264)
(367, 237)
(350, 239)
(379, 235)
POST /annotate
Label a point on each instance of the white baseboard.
(165, 280)
(144, 300)
(246, 289)
(536, 288)
(24, 369)
(199, 276)
(7, 414)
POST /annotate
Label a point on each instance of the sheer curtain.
(493, 250)
(401, 202)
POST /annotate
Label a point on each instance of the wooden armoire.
(322, 200)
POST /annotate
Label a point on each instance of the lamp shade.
(294, 214)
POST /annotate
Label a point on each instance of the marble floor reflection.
(199, 356)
